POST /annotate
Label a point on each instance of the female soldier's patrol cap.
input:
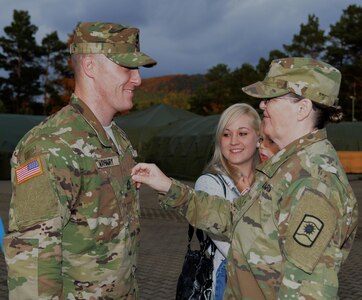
(120, 43)
(306, 77)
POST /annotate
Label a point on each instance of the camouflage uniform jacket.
(74, 212)
(291, 233)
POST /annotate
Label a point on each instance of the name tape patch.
(29, 170)
(107, 162)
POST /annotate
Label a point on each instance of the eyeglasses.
(268, 100)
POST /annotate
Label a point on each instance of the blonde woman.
(235, 157)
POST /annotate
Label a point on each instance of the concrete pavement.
(163, 246)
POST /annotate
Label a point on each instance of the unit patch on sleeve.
(29, 170)
(308, 231)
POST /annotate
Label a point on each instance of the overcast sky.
(187, 36)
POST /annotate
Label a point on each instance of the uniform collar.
(273, 164)
(91, 119)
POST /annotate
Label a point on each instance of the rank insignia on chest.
(308, 231)
(267, 187)
(134, 153)
(107, 162)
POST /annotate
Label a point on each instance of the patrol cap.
(120, 43)
(306, 77)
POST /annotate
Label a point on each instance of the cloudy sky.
(187, 36)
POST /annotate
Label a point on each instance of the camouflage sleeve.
(39, 210)
(312, 238)
(212, 214)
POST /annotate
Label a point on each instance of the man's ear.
(305, 107)
(88, 65)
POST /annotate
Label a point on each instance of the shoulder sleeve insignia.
(308, 231)
(28, 170)
(311, 227)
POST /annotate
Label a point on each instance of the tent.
(180, 142)
(346, 137)
(183, 149)
(141, 126)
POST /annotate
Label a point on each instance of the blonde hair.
(218, 164)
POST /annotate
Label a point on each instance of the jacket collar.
(91, 119)
(273, 164)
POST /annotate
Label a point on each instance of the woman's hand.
(151, 175)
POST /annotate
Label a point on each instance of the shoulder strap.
(223, 183)
(220, 180)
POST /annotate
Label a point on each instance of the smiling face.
(116, 84)
(238, 142)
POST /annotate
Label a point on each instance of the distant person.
(293, 231)
(267, 148)
(74, 212)
(235, 157)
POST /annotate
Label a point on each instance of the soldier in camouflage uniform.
(74, 213)
(293, 231)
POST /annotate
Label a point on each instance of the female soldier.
(294, 229)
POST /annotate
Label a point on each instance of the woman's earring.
(257, 144)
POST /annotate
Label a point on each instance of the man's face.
(116, 85)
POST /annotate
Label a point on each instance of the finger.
(140, 179)
(140, 167)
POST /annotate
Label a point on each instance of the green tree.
(309, 42)
(344, 51)
(213, 96)
(244, 75)
(55, 63)
(20, 59)
(263, 65)
(223, 88)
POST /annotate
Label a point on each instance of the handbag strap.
(199, 235)
(206, 242)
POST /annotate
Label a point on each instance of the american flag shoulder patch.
(29, 170)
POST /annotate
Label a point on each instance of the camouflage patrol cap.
(306, 77)
(120, 43)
